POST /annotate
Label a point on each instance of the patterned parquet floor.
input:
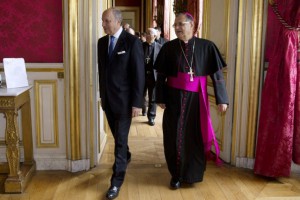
(147, 177)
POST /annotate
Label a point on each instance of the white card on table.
(15, 72)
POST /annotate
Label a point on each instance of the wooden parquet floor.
(147, 177)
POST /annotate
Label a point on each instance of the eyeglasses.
(180, 24)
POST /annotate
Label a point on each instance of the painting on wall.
(131, 15)
(129, 21)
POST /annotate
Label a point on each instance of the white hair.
(131, 31)
(153, 31)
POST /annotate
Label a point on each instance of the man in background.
(131, 31)
(126, 26)
(143, 36)
(161, 40)
(151, 50)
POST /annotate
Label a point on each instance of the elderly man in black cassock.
(151, 50)
(183, 65)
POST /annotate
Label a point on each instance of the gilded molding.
(45, 70)
(205, 21)
(7, 102)
(236, 109)
(74, 93)
(98, 126)
(38, 84)
(255, 63)
(148, 13)
(92, 101)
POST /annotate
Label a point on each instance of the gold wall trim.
(74, 93)
(237, 109)
(92, 102)
(99, 127)
(40, 102)
(3, 143)
(244, 132)
(45, 70)
(65, 23)
(205, 21)
(255, 63)
(148, 14)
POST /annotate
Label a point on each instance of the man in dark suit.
(161, 40)
(121, 77)
(151, 50)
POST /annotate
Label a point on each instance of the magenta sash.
(182, 81)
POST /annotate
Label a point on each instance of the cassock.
(183, 137)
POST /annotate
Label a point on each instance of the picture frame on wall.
(131, 15)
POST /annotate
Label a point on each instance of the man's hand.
(136, 111)
(222, 107)
(162, 105)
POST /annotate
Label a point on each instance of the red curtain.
(278, 141)
(193, 7)
(166, 23)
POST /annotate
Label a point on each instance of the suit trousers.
(119, 125)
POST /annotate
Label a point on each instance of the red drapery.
(278, 141)
(193, 7)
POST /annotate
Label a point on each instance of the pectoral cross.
(191, 74)
(147, 60)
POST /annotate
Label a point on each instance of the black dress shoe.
(151, 122)
(144, 114)
(112, 192)
(175, 183)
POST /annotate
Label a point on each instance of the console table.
(19, 174)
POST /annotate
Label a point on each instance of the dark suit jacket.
(121, 77)
(161, 40)
(157, 48)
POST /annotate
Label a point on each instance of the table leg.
(27, 134)
(12, 143)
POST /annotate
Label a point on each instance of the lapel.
(106, 41)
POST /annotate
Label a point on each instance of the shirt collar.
(118, 33)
